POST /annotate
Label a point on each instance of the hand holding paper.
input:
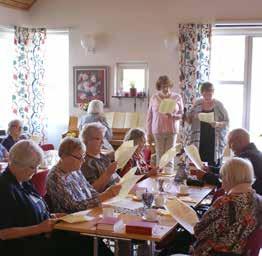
(206, 117)
(194, 156)
(183, 214)
(167, 106)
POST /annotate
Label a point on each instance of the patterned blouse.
(70, 192)
(226, 226)
(137, 160)
(94, 167)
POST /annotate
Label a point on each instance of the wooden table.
(88, 228)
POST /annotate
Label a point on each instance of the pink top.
(158, 123)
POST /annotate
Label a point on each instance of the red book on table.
(109, 223)
(140, 227)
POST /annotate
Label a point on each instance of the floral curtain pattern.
(28, 98)
(194, 63)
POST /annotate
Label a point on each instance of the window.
(131, 73)
(56, 74)
(235, 71)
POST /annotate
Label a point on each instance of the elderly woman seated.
(67, 188)
(95, 113)
(97, 167)
(23, 213)
(139, 138)
(225, 228)
(14, 134)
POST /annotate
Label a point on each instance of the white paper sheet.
(130, 174)
(124, 153)
(167, 106)
(124, 203)
(75, 218)
(128, 182)
(206, 117)
(169, 155)
(194, 156)
(183, 214)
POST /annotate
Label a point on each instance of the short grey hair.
(69, 145)
(13, 123)
(237, 171)
(95, 107)
(88, 129)
(135, 134)
(25, 153)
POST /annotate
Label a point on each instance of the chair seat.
(39, 181)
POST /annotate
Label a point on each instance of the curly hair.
(163, 80)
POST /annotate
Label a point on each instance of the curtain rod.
(11, 29)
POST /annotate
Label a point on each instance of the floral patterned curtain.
(28, 100)
(194, 62)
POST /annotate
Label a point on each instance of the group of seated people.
(84, 177)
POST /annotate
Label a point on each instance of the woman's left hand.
(216, 124)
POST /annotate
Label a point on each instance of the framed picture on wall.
(90, 83)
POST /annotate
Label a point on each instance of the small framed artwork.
(90, 83)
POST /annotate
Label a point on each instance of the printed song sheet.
(206, 117)
(183, 214)
(77, 217)
(167, 106)
(194, 156)
(169, 155)
(124, 153)
(128, 182)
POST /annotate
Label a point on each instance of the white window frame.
(129, 65)
(249, 31)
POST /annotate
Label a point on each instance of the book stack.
(140, 227)
(110, 224)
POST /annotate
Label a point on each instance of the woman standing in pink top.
(161, 127)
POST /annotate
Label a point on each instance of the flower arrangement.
(84, 106)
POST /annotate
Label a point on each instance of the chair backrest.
(39, 181)
(254, 243)
(47, 147)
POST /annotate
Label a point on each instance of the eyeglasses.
(79, 158)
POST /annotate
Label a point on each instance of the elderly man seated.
(97, 167)
(239, 142)
(14, 134)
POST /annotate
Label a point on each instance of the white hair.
(13, 123)
(88, 129)
(25, 153)
(95, 107)
(237, 171)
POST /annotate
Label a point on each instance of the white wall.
(132, 31)
(11, 17)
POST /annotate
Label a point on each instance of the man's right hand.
(48, 225)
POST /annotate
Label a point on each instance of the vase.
(132, 92)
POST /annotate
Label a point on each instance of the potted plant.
(132, 89)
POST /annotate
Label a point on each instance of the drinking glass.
(147, 199)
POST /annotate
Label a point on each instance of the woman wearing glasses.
(67, 188)
(161, 127)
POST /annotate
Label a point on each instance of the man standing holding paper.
(165, 111)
